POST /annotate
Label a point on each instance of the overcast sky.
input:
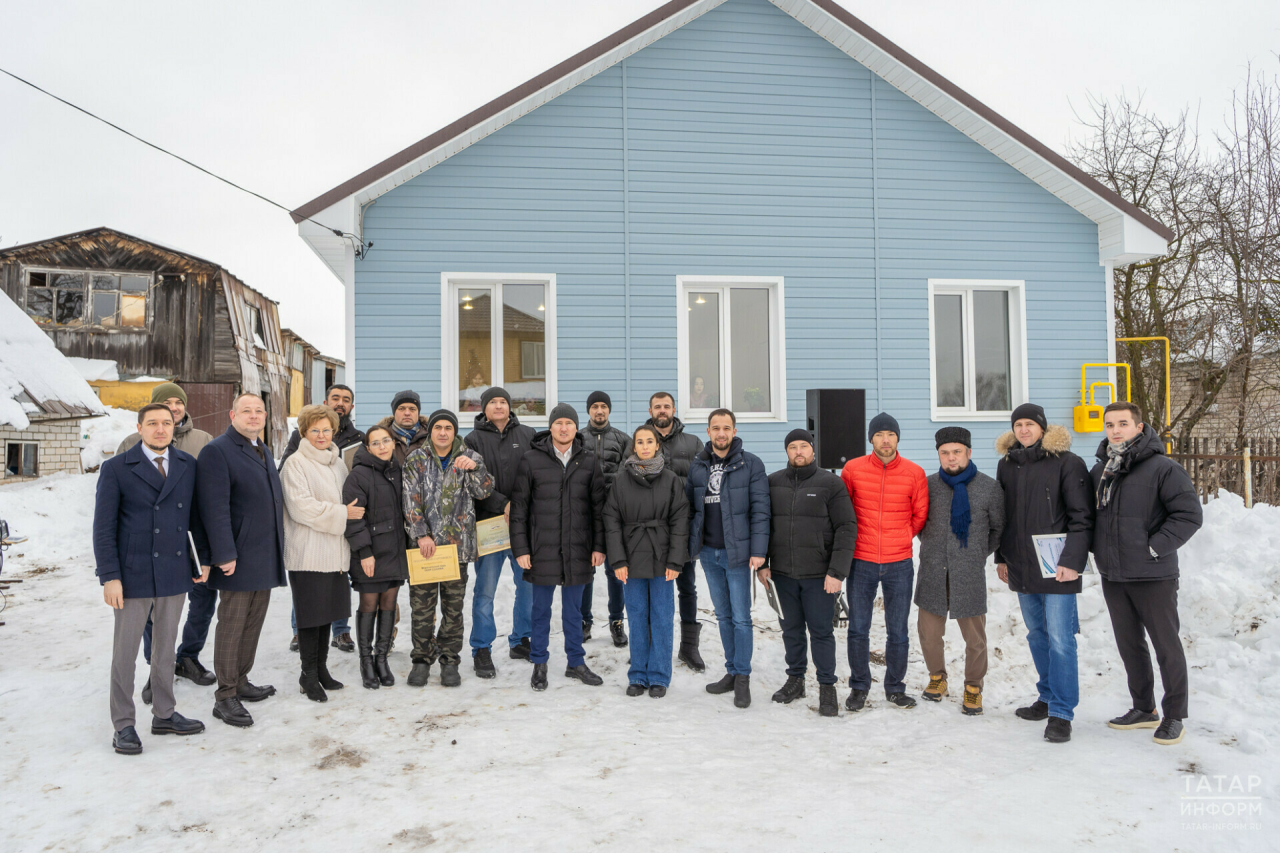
(291, 99)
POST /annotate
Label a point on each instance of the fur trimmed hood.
(1056, 441)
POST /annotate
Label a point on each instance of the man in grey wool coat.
(966, 517)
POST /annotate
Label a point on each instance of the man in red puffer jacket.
(891, 502)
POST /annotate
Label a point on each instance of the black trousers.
(805, 604)
(1149, 608)
(687, 594)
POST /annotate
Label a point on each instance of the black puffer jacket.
(378, 487)
(502, 452)
(812, 529)
(347, 436)
(610, 445)
(646, 523)
(1046, 490)
(1153, 507)
(679, 448)
(557, 513)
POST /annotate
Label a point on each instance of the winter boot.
(386, 624)
(343, 642)
(293, 644)
(972, 705)
(742, 691)
(828, 705)
(538, 681)
(327, 681)
(657, 691)
(1034, 712)
(618, 633)
(857, 700)
(791, 691)
(937, 688)
(1135, 719)
(583, 673)
(636, 689)
(689, 655)
(520, 651)
(724, 685)
(309, 681)
(364, 639)
(419, 674)
(449, 676)
(586, 631)
(1170, 732)
(1058, 730)
(482, 662)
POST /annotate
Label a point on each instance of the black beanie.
(1030, 411)
(881, 423)
(563, 410)
(491, 392)
(442, 415)
(599, 397)
(953, 435)
(798, 435)
(406, 397)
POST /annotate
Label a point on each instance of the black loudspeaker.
(837, 417)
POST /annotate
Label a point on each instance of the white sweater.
(315, 518)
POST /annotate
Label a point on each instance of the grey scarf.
(646, 467)
(1114, 467)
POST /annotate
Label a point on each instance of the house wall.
(59, 446)
(741, 144)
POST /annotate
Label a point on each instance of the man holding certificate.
(442, 481)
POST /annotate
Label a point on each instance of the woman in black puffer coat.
(378, 543)
(646, 525)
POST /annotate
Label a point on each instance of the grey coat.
(942, 558)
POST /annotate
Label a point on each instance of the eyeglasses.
(319, 432)
(382, 442)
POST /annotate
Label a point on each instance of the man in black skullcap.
(811, 536)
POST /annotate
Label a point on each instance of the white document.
(1049, 547)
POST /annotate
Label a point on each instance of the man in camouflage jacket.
(442, 481)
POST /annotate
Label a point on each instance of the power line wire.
(336, 231)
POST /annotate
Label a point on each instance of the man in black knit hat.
(611, 446)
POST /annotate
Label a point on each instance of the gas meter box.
(1088, 418)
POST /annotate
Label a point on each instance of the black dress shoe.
(520, 651)
(636, 689)
(343, 643)
(192, 670)
(146, 693)
(584, 674)
(231, 712)
(253, 693)
(657, 691)
(176, 725)
(126, 741)
(539, 679)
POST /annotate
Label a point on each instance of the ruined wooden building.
(156, 312)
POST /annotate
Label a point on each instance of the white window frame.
(450, 283)
(1019, 391)
(774, 284)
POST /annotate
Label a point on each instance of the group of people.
(180, 514)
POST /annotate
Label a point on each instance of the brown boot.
(937, 688)
(972, 705)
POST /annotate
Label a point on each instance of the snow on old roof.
(35, 378)
(95, 369)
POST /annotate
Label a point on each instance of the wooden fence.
(1219, 464)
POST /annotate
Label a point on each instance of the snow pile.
(95, 369)
(492, 765)
(99, 437)
(31, 365)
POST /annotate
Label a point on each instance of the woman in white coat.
(316, 553)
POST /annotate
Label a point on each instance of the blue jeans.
(615, 597)
(1052, 623)
(651, 610)
(897, 580)
(570, 621)
(730, 589)
(342, 626)
(201, 604)
(483, 629)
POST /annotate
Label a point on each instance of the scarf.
(405, 434)
(960, 516)
(1116, 458)
(646, 467)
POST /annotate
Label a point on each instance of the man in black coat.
(1046, 491)
(500, 438)
(679, 449)
(812, 531)
(611, 446)
(142, 529)
(557, 536)
(1147, 510)
(341, 399)
(242, 507)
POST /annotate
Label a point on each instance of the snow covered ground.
(99, 437)
(494, 766)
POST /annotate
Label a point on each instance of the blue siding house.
(734, 201)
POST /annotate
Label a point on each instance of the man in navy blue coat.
(143, 526)
(242, 507)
